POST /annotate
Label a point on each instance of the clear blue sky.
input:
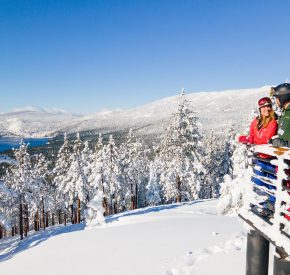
(85, 55)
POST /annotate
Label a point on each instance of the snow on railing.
(267, 203)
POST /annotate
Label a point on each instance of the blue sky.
(86, 55)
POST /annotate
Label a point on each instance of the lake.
(7, 143)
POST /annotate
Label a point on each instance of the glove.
(277, 142)
(243, 139)
(251, 140)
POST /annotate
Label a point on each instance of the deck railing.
(267, 209)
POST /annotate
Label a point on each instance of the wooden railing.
(267, 209)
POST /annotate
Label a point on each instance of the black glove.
(277, 142)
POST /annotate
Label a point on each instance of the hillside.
(217, 110)
(175, 239)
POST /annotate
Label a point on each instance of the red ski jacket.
(260, 136)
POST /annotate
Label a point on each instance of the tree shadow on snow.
(9, 247)
(150, 209)
(12, 246)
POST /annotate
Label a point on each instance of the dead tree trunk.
(64, 219)
(59, 217)
(1, 231)
(26, 219)
(21, 218)
(115, 208)
(132, 197)
(52, 219)
(72, 214)
(35, 222)
(43, 213)
(136, 196)
(178, 183)
(46, 219)
(78, 210)
(38, 220)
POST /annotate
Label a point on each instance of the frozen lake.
(7, 143)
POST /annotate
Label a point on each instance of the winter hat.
(264, 101)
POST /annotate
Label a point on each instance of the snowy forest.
(85, 183)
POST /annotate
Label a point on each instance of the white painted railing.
(267, 198)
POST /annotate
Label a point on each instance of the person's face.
(266, 110)
(277, 102)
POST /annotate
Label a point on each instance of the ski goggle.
(281, 91)
(265, 101)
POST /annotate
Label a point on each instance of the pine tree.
(60, 171)
(134, 170)
(153, 193)
(20, 179)
(213, 164)
(77, 181)
(41, 191)
(97, 178)
(233, 186)
(181, 154)
(112, 176)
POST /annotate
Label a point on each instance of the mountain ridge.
(228, 107)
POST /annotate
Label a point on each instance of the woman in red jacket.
(264, 126)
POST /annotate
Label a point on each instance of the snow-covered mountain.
(216, 110)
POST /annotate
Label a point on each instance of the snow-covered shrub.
(232, 195)
(94, 213)
(233, 188)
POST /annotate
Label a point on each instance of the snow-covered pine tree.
(77, 182)
(19, 178)
(233, 187)
(41, 192)
(134, 170)
(97, 178)
(215, 164)
(181, 154)
(8, 215)
(112, 176)
(153, 193)
(60, 179)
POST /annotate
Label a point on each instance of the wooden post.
(257, 254)
(281, 266)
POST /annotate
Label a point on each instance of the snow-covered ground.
(188, 238)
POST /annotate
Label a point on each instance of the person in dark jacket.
(282, 98)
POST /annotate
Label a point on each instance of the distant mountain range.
(216, 110)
